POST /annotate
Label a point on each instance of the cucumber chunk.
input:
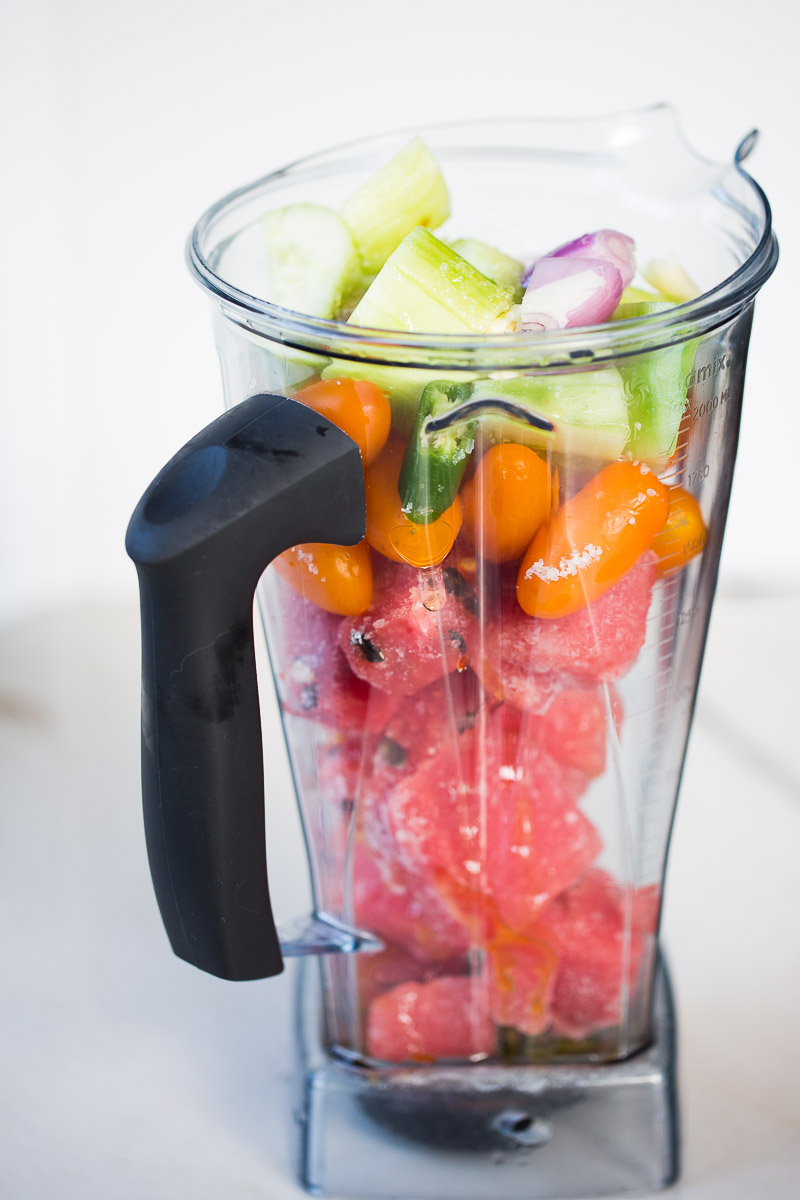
(496, 265)
(409, 190)
(426, 287)
(655, 390)
(588, 410)
(311, 259)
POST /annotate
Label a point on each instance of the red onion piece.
(564, 292)
(613, 247)
(607, 244)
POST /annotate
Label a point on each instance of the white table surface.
(124, 1073)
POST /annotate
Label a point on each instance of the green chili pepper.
(435, 462)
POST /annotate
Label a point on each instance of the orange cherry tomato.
(594, 538)
(390, 532)
(336, 578)
(357, 406)
(684, 534)
(506, 501)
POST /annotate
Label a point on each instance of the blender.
(486, 719)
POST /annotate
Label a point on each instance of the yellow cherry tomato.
(357, 406)
(594, 538)
(336, 578)
(684, 534)
(506, 501)
(390, 532)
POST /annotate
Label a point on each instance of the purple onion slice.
(564, 292)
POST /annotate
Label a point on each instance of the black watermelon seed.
(371, 652)
(457, 586)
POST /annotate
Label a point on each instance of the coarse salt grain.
(567, 566)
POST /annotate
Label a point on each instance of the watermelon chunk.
(587, 925)
(496, 836)
(377, 973)
(574, 727)
(594, 644)
(424, 1022)
(421, 626)
(569, 974)
(339, 770)
(435, 717)
(408, 914)
(313, 677)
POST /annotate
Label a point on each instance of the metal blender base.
(484, 1132)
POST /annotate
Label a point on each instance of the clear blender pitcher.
(487, 702)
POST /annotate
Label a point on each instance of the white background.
(121, 123)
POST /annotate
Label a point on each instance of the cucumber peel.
(426, 287)
(655, 389)
(502, 268)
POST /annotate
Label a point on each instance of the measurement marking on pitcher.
(709, 406)
(696, 476)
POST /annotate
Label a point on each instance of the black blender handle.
(267, 475)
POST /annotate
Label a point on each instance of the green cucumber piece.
(655, 389)
(434, 463)
(496, 265)
(588, 410)
(311, 259)
(409, 190)
(426, 287)
(636, 295)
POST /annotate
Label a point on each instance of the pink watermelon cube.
(376, 973)
(497, 835)
(314, 679)
(435, 717)
(574, 727)
(339, 771)
(587, 925)
(408, 913)
(421, 626)
(424, 1022)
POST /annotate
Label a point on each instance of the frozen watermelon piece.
(314, 679)
(420, 627)
(408, 914)
(595, 644)
(425, 1022)
(497, 835)
(339, 771)
(587, 924)
(376, 973)
(538, 841)
(574, 728)
(389, 764)
(435, 717)
(568, 974)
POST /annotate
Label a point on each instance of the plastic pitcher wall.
(119, 125)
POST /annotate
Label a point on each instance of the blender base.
(483, 1131)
